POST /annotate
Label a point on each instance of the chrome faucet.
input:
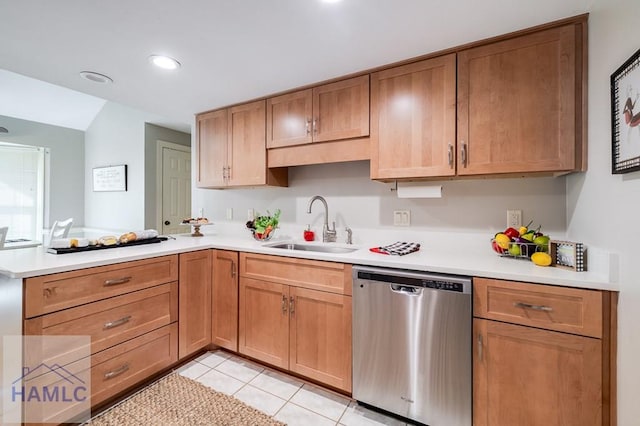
(328, 235)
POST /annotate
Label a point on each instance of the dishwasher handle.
(405, 289)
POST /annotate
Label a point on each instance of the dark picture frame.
(625, 116)
(110, 178)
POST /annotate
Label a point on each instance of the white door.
(176, 190)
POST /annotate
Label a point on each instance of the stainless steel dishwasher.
(412, 344)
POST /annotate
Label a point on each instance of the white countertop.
(462, 255)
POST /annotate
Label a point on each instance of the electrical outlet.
(402, 217)
(251, 214)
(229, 213)
(514, 218)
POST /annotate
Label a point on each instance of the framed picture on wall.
(625, 116)
(110, 178)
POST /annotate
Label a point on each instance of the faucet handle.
(349, 235)
(333, 228)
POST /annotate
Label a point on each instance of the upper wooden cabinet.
(413, 120)
(520, 110)
(211, 148)
(231, 148)
(519, 104)
(329, 112)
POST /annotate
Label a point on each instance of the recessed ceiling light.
(164, 62)
(96, 77)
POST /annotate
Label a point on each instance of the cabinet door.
(264, 321)
(224, 304)
(531, 377)
(517, 104)
(247, 150)
(194, 313)
(211, 148)
(413, 121)
(320, 339)
(341, 110)
(289, 119)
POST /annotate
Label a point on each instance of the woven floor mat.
(177, 400)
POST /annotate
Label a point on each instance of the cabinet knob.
(167, 223)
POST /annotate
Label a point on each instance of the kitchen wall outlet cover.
(250, 214)
(229, 213)
(514, 218)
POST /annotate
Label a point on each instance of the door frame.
(160, 145)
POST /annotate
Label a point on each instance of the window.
(22, 190)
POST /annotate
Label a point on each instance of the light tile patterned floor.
(284, 397)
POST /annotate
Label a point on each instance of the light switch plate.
(229, 213)
(402, 217)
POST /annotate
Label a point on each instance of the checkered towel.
(398, 248)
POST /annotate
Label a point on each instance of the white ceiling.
(235, 50)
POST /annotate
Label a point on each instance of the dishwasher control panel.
(435, 284)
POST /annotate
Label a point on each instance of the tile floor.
(283, 397)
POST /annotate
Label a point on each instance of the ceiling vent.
(96, 77)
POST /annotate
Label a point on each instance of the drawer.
(123, 366)
(313, 274)
(50, 293)
(112, 321)
(570, 310)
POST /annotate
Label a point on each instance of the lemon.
(502, 240)
(541, 259)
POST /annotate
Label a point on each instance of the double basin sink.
(311, 247)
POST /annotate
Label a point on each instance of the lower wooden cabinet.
(122, 366)
(303, 330)
(543, 355)
(194, 309)
(224, 300)
(320, 336)
(264, 321)
(527, 376)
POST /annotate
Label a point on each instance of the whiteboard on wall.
(110, 178)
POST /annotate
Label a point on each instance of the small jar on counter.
(308, 234)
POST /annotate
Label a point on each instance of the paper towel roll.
(418, 190)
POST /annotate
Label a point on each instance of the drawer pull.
(480, 347)
(292, 305)
(116, 372)
(284, 304)
(117, 322)
(533, 307)
(117, 281)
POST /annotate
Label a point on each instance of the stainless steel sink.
(312, 247)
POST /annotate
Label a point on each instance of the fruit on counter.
(502, 240)
(511, 232)
(515, 250)
(541, 259)
(529, 235)
(522, 242)
(523, 229)
(496, 247)
(542, 242)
